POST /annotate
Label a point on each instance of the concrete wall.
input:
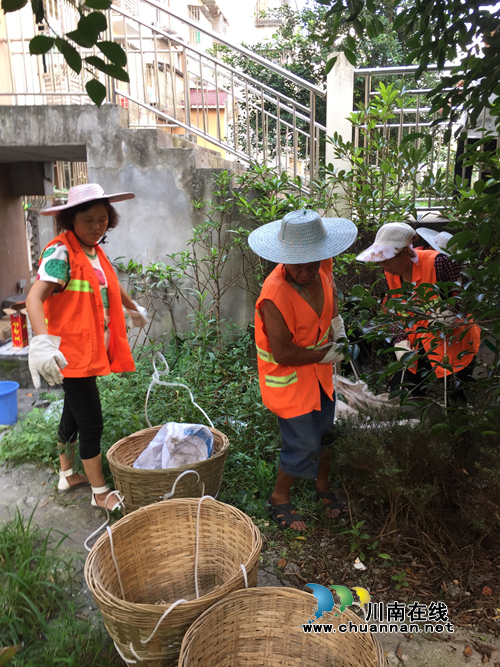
(14, 265)
(164, 171)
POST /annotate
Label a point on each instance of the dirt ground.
(33, 489)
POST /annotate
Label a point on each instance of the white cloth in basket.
(176, 445)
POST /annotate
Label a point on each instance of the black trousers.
(455, 382)
(82, 416)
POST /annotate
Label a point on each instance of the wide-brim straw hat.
(440, 241)
(302, 237)
(389, 241)
(80, 194)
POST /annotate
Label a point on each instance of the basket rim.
(111, 600)
(110, 454)
(259, 592)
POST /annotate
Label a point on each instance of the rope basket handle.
(156, 380)
(171, 493)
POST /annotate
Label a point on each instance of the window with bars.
(194, 15)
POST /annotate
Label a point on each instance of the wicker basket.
(144, 487)
(155, 551)
(262, 627)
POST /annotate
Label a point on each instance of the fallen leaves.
(7, 652)
(399, 652)
(487, 591)
(467, 652)
(282, 562)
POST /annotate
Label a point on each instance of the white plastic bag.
(176, 445)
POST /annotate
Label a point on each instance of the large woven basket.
(144, 487)
(155, 552)
(263, 627)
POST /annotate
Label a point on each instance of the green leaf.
(111, 70)
(399, 21)
(95, 61)
(484, 233)
(461, 239)
(96, 91)
(117, 73)
(479, 187)
(351, 57)
(90, 26)
(98, 4)
(114, 52)
(97, 20)
(71, 55)
(358, 27)
(329, 65)
(350, 43)
(385, 556)
(411, 136)
(13, 5)
(438, 429)
(41, 44)
(80, 38)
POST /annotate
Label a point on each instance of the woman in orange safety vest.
(393, 250)
(75, 308)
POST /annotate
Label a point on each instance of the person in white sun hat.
(393, 251)
(75, 309)
(299, 334)
(440, 241)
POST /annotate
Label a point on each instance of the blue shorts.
(303, 438)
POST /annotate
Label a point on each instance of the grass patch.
(33, 579)
(37, 615)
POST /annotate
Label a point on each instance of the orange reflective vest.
(77, 315)
(424, 272)
(291, 391)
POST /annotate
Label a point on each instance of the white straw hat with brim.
(440, 241)
(302, 237)
(389, 241)
(81, 194)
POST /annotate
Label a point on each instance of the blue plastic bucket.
(8, 402)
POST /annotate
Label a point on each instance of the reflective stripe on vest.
(281, 380)
(266, 356)
(79, 286)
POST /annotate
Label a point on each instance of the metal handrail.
(167, 73)
(268, 64)
(400, 69)
(207, 56)
(402, 128)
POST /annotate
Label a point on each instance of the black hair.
(66, 217)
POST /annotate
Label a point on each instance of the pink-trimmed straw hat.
(80, 194)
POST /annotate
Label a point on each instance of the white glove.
(446, 317)
(333, 355)
(139, 316)
(45, 359)
(402, 348)
(337, 329)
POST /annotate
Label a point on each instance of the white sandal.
(63, 485)
(104, 489)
